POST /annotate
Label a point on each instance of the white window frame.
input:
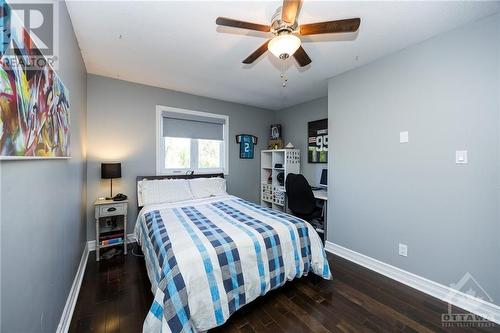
(160, 143)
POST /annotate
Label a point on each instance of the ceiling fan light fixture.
(284, 46)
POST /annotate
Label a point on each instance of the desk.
(323, 196)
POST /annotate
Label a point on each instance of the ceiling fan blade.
(227, 22)
(290, 10)
(330, 27)
(256, 54)
(301, 56)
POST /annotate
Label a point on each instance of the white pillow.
(207, 187)
(163, 190)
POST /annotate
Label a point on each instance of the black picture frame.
(275, 131)
(317, 141)
(247, 145)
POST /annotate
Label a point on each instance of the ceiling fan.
(286, 30)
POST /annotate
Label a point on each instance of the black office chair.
(301, 199)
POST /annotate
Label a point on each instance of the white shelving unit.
(272, 193)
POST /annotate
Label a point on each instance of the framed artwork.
(247, 143)
(34, 103)
(275, 131)
(317, 141)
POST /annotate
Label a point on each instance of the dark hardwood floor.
(115, 297)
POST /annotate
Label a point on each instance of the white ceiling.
(176, 44)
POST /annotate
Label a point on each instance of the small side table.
(114, 213)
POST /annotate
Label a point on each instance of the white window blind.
(177, 125)
(191, 141)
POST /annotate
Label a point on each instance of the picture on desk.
(317, 141)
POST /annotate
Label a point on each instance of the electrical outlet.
(403, 250)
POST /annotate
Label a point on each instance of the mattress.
(207, 258)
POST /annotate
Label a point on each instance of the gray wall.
(43, 214)
(294, 127)
(445, 92)
(121, 127)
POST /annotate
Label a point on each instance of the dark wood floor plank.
(338, 308)
(410, 302)
(306, 304)
(377, 308)
(262, 322)
(390, 299)
(335, 304)
(303, 316)
(346, 269)
(115, 296)
(286, 320)
(427, 317)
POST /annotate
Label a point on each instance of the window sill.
(196, 172)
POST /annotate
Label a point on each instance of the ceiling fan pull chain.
(283, 75)
(284, 79)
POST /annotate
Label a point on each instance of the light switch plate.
(403, 250)
(461, 157)
(403, 137)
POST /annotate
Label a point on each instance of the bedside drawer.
(113, 209)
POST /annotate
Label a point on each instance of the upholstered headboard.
(204, 175)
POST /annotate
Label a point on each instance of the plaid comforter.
(207, 258)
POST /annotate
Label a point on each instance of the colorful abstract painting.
(34, 105)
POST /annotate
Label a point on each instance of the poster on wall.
(247, 143)
(34, 105)
(317, 141)
(275, 131)
(275, 140)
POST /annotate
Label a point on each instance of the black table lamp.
(110, 171)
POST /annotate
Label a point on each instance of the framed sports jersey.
(247, 143)
(317, 141)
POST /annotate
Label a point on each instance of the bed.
(206, 257)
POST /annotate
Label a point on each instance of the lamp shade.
(284, 46)
(111, 170)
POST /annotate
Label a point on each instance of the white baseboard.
(464, 301)
(69, 307)
(91, 244)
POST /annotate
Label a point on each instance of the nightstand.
(110, 224)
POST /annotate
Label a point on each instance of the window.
(184, 154)
(177, 153)
(191, 141)
(209, 154)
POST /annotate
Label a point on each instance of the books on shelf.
(118, 240)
